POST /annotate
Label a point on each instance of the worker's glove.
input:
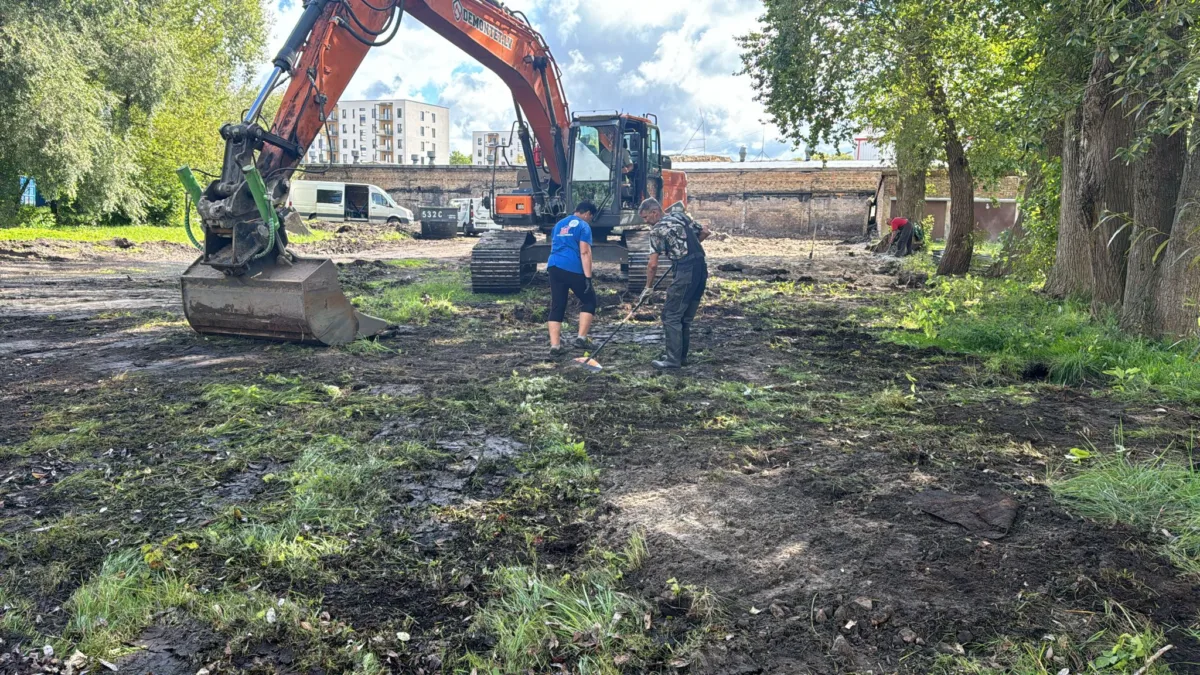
(645, 294)
(588, 288)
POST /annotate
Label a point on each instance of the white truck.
(473, 217)
(346, 202)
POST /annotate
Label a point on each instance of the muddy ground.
(789, 474)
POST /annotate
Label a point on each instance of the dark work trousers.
(902, 243)
(683, 300)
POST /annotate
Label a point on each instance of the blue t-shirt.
(564, 249)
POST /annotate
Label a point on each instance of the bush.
(30, 216)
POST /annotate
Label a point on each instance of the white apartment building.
(502, 146)
(384, 131)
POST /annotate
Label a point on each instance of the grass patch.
(440, 295)
(116, 604)
(1016, 330)
(138, 234)
(541, 621)
(1158, 496)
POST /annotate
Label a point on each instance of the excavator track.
(496, 262)
(638, 246)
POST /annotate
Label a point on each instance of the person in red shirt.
(902, 237)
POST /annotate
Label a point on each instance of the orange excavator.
(248, 283)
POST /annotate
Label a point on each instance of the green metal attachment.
(193, 190)
(189, 183)
(259, 189)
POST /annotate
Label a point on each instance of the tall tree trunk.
(1034, 182)
(910, 202)
(1111, 234)
(1176, 306)
(1105, 183)
(1012, 244)
(912, 168)
(1156, 179)
(24, 187)
(956, 259)
(1072, 271)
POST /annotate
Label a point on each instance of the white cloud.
(612, 65)
(578, 65)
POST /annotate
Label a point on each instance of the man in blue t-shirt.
(570, 269)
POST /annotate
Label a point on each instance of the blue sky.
(677, 60)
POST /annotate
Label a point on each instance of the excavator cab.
(615, 161)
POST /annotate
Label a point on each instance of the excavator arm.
(498, 38)
(247, 282)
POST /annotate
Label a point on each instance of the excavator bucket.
(301, 302)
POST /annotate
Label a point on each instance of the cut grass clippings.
(1016, 330)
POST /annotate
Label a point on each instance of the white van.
(473, 216)
(346, 201)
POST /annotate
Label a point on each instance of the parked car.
(473, 217)
(346, 201)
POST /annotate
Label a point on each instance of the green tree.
(824, 67)
(97, 95)
(221, 42)
(459, 158)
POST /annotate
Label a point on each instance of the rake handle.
(628, 316)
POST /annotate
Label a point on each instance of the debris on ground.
(911, 279)
(989, 515)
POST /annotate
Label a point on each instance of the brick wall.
(752, 202)
(783, 202)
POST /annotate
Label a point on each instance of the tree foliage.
(459, 158)
(104, 98)
(927, 73)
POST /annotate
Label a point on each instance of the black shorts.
(560, 282)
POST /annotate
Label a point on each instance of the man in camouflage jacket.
(675, 235)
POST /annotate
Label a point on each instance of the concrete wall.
(784, 203)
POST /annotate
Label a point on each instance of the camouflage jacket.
(668, 237)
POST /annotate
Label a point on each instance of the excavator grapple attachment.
(301, 302)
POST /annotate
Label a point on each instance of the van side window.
(329, 197)
(378, 199)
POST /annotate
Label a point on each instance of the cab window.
(592, 158)
(379, 199)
